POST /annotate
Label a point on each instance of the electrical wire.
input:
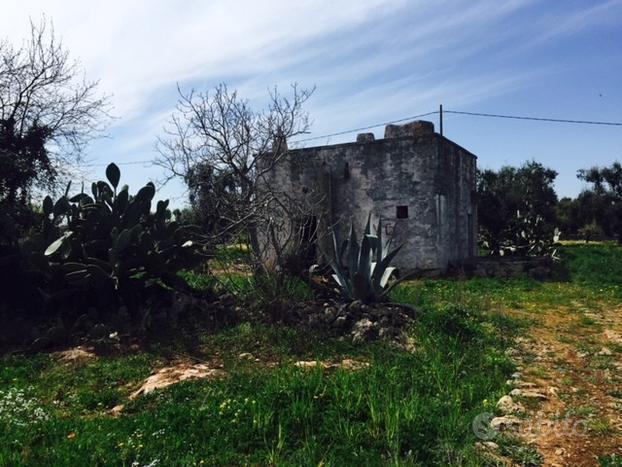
(412, 117)
(353, 130)
(539, 119)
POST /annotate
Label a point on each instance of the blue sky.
(372, 61)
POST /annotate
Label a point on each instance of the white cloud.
(372, 60)
(137, 47)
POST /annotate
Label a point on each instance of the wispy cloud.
(371, 60)
(555, 25)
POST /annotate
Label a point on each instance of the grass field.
(406, 408)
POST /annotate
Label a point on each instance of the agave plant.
(528, 235)
(362, 270)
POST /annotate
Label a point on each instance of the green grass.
(197, 280)
(521, 454)
(406, 408)
(614, 460)
(594, 278)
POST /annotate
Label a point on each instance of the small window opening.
(401, 212)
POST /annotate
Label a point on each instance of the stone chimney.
(365, 138)
(414, 129)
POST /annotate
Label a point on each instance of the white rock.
(527, 394)
(507, 405)
(501, 423)
(525, 384)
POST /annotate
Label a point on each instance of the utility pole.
(440, 118)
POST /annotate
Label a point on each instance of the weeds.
(412, 408)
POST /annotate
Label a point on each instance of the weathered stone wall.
(411, 167)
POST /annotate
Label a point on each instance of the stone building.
(420, 183)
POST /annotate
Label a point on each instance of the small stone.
(311, 364)
(527, 394)
(487, 446)
(524, 384)
(501, 423)
(330, 313)
(363, 330)
(506, 405)
(340, 322)
(346, 364)
(605, 352)
(246, 356)
(116, 410)
(349, 364)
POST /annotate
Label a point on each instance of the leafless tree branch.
(221, 148)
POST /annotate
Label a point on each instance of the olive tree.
(607, 188)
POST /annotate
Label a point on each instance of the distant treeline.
(512, 194)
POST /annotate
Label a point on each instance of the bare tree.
(222, 149)
(48, 112)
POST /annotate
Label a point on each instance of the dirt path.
(573, 358)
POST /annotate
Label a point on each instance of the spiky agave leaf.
(337, 266)
(353, 251)
(367, 272)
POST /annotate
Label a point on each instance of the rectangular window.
(401, 212)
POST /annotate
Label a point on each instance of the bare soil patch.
(184, 371)
(580, 417)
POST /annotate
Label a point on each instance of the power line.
(340, 133)
(412, 117)
(345, 132)
(101, 164)
(457, 112)
(539, 119)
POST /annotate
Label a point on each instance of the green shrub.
(590, 231)
(109, 251)
(273, 293)
(527, 235)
